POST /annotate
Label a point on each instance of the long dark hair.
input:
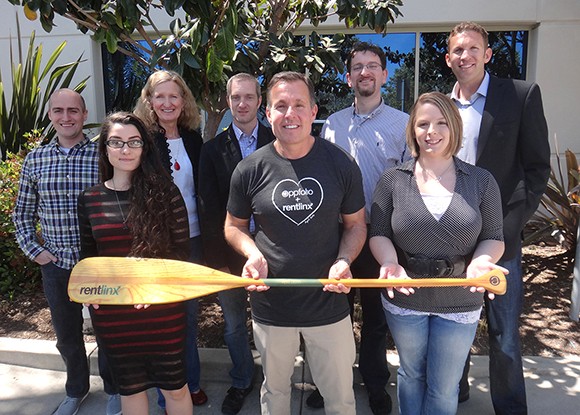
(150, 217)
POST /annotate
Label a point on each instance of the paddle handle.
(493, 281)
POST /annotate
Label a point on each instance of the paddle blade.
(120, 280)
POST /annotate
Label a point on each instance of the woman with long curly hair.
(168, 108)
(137, 211)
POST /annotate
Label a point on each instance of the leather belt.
(439, 267)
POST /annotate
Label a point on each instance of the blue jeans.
(234, 305)
(67, 320)
(508, 390)
(432, 352)
(193, 367)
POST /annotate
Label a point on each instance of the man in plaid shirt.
(51, 179)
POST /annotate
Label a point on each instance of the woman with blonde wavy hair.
(168, 108)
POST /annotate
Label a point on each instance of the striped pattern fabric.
(145, 348)
(376, 141)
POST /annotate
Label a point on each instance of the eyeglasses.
(373, 66)
(121, 143)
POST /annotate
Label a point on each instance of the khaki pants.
(330, 352)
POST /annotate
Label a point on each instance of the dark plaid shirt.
(50, 183)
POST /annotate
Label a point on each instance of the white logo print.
(298, 201)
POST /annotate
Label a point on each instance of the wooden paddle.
(121, 280)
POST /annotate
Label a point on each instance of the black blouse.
(474, 214)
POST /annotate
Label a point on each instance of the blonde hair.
(451, 115)
(188, 119)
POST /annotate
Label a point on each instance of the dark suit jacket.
(513, 145)
(219, 158)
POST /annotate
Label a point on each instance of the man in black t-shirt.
(296, 189)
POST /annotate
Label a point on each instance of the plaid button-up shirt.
(50, 183)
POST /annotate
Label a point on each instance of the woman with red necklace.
(168, 108)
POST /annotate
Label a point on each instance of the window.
(124, 77)
(509, 61)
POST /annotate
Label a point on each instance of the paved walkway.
(32, 383)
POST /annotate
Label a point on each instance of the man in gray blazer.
(505, 132)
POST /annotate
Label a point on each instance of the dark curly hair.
(150, 218)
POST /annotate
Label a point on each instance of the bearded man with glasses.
(374, 134)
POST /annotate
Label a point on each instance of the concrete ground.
(32, 383)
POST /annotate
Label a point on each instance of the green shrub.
(560, 210)
(18, 274)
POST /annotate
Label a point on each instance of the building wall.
(554, 56)
(77, 44)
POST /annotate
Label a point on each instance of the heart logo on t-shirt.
(298, 201)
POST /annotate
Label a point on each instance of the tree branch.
(216, 26)
(277, 7)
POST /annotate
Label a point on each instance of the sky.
(403, 42)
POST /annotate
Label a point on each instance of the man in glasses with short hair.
(374, 134)
(51, 179)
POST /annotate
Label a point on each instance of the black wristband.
(342, 258)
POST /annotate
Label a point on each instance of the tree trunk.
(575, 306)
(212, 123)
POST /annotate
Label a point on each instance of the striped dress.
(144, 348)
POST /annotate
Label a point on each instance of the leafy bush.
(561, 204)
(18, 274)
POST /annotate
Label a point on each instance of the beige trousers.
(330, 352)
